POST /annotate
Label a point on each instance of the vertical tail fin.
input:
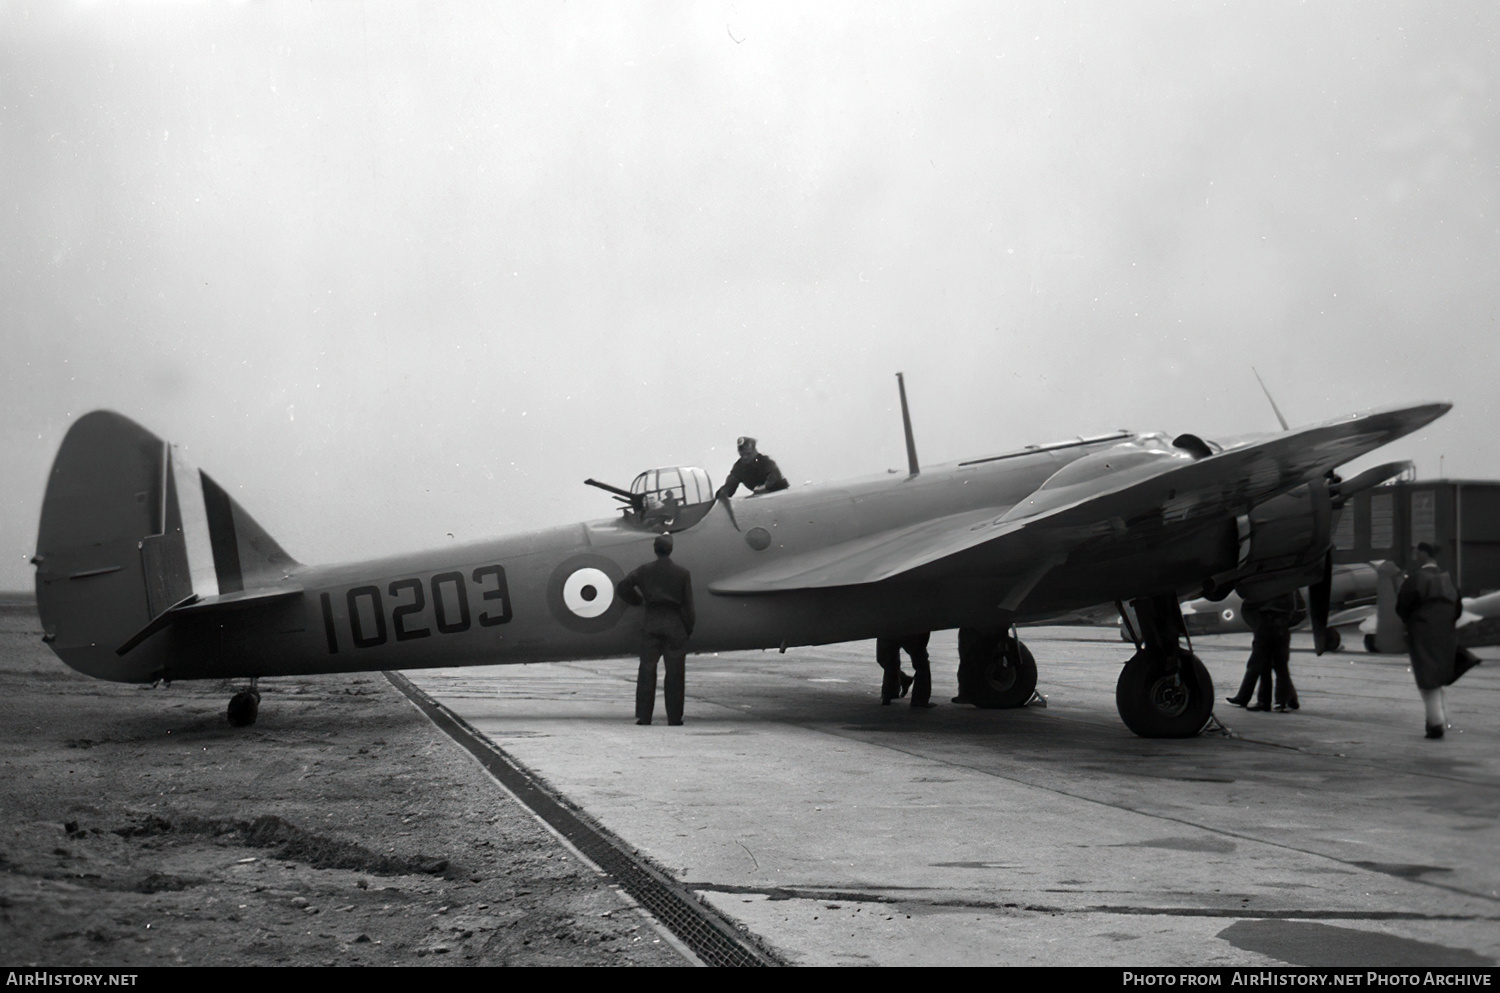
(129, 529)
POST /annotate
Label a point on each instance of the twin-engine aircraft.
(148, 570)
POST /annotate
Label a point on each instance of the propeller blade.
(1318, 596)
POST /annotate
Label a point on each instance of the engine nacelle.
(1284, 541)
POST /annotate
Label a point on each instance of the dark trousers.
(1270, 655)
(888, 654)
(666, 637)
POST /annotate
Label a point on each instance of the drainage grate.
(712, 939)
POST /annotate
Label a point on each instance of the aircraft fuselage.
(549, 595)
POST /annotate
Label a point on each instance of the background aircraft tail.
(129, 530)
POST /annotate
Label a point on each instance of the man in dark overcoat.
(665, 589)
(1429, 604)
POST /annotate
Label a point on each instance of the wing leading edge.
(1103, 493)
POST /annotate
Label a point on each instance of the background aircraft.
(1352, 588)
(1362, 610)
(149, 570)
(1382, 630)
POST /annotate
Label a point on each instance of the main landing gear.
(994, 669)
(1164, 691)
(244, 706)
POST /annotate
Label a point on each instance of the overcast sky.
(392, 271)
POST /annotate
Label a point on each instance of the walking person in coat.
(1429, 604)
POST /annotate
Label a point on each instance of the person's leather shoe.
(644, 723)
(962, 699)
(674, 724)
(906, 682)
(1434, 730)
(1237, 703)
(1256, 706)
(926, 705)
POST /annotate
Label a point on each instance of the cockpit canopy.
(667, 490)
(667, 499)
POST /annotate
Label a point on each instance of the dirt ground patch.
(138, 828)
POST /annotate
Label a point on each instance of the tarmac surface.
(842, 832)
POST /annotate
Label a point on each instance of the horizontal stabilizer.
(194, 604)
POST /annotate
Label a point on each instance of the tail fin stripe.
(221, 536)
(190, 504)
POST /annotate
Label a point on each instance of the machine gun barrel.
(637, 501)
(613, 489)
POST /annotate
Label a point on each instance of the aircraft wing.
(1113, 492)
(1352, 617)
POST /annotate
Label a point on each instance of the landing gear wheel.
(1005, 681)
(1156, 701)
(244, 706)
(1370, 644)
(1334, 642)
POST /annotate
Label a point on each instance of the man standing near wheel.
(1270, 654)
(994, 669)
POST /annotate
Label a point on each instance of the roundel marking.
(588, 592)
(581, 593)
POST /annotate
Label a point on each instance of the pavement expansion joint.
(886, 896)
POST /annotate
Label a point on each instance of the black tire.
(1370, 644)
(1004, 683)
(244, 706)
(1335, 641)
(1156, 703)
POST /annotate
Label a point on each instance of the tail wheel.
(244, 706)
(1158, 700)
(1007, 680)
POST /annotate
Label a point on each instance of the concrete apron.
(845, 832)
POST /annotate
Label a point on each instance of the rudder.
(129, 529)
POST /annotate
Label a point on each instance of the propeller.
(1318, 596)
